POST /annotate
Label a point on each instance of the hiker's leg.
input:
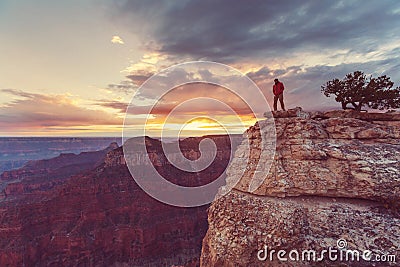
(281, 101)
(275, 102)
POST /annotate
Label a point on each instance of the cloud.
(139, 77)
(114, 104)
(117, 40)
(193, 101)
(304, 44)
(35, 111)
(125, 86)
(303, 88)
(137, 73)
(227, 31)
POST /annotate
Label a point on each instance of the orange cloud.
(32, 111)
(196, 109)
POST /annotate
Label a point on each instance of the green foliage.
(359, 90)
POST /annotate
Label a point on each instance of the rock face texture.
(335, 175)
(100, 217)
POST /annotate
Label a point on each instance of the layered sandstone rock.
(101, 217)
(335, 175)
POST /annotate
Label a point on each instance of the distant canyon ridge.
(16, 151)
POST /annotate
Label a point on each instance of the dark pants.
(280, 97)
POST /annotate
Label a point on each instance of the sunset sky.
(70, 68)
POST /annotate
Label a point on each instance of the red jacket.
(278, 88)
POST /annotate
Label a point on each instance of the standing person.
(278, 94)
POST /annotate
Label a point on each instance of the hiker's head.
(276, 81)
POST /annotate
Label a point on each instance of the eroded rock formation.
(335, 175)
(101, 217)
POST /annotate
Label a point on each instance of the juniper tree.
(359, 90)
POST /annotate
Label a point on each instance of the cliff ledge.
(335, 175)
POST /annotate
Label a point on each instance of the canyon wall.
(101, 217)
(334, 176)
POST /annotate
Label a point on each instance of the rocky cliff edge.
(334, 178)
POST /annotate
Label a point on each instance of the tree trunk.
(357, 107)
